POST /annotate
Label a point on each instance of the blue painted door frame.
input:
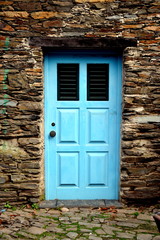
(82, 160)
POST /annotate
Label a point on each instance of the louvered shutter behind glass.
(97, 82)
(68, 82)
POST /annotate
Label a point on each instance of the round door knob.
(52, 133)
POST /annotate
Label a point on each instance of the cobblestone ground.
(78, 223)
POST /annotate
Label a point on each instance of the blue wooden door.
(82, 106)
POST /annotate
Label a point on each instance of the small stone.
(109, 230)
(144, 237)
(90, 225)
(24, 234)
(72, 229)
(65, 238)
(49, 238)
(22, 221)
(92, 1)
(8, 237)
(56, 23)
(72, 235)
(36, 230)
(55, 229)
(7, 102)
(83, 230)
(95, 238)
(156, 238)
(75, 218)
(4, 179)
(38, 224)
(43, 15)
(100, 231)
(14, 14)
(8, 28)
(127, 224)
(6, 230)
(126, 235)
(63, 219)
(145, 217)
(63, 209)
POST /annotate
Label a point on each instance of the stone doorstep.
(79, 203)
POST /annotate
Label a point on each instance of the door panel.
(82, 105)
(97, 168)
(68, 169)
(97, 122)
(68, 120)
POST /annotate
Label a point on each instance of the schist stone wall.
(28, 26)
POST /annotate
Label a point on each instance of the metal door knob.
(52, 133)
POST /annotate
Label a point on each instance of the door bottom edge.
(80, 203)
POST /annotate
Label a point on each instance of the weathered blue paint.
(82, 160)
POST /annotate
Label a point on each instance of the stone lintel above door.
(108, 43)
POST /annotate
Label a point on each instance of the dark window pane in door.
(98, 82)
(68, 82)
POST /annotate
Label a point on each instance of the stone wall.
(21, 75)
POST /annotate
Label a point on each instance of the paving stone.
(145, 217)
(102, 220)
(5, 230)
(38, 224)
(75, 218)
(16, 226)
(40, 220)
(109, 230)
(8, 237)
(125, 235)
(89, 225)
(120, 215)
(127, 224)
(36, 230)
(82, 239)
(143, 231)
(89, 220)
(67, 222)
(86, 230)
(24, 234)
(72, 235)
(144, 237)
(53, 211)
(127, 211)
(64, 209)
(22, 221)
(156, 238)
(52, 225)
(95, 238)
(137, 221)
(55, 230)
(46, 215)
(49, 238)
(71, 229)
(63, 218)
(111, 223)
(100, 231)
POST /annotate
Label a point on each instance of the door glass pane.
(68, 82)
(98, 82)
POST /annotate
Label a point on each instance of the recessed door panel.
(82, 125)
(68, 171)
(97, 126)
(97, 169)
(68, 121)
